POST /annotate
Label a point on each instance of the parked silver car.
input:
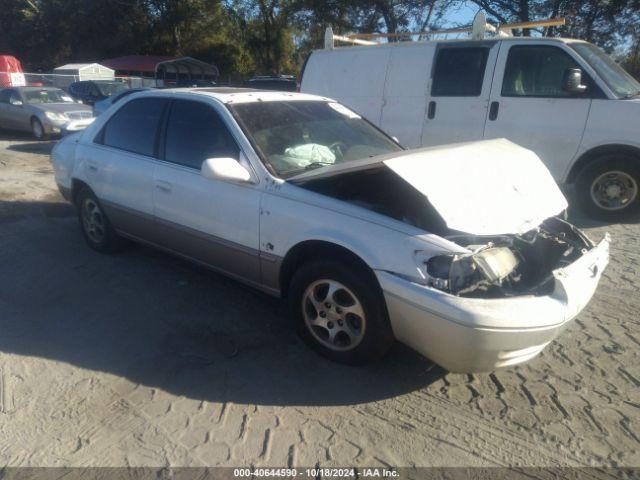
(459, 251)
(43, 111)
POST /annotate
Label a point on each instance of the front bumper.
(76, 126)
(480, 335)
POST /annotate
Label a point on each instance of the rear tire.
(340, 312)
(38, 130)
(96, 227)
(608, 188)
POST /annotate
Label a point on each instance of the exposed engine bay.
(497, 266)
(508, 265)
(384, 192)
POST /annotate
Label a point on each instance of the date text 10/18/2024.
(316, 472)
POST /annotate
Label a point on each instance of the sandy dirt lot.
(141, 359)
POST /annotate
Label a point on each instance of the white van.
(564, 99)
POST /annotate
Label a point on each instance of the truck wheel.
(96, 228)
(37, 129)
(339, 313)
(608, 188)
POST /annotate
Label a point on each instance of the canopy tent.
(191, 67)
(162, 69)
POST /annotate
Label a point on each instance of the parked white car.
(301, 197)
(564, 99)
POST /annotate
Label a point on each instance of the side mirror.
(16, 103)
(572, 81)
(225, 168)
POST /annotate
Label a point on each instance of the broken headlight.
(460, 271)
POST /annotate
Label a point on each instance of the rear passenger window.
(134, 127)
(196, 132)
(536, 71)
(459, 72)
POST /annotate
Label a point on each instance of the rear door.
(212, 221)
(530, 107)
(459, 90)
(405, 92)
(120, 164)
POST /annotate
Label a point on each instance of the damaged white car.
(458, 251)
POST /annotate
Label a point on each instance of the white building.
(73, 72)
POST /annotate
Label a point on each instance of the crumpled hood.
(485, 187)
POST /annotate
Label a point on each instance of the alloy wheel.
(38, 131)
(93, 220)
(334, 315)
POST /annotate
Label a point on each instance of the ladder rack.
(477, 31)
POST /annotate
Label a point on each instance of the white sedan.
(458, 251)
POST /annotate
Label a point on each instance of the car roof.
(100, 81)
(244, 95)
(33, 88)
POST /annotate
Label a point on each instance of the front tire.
(38, 130)
(340, 312)
(608, 188)
(96, 227)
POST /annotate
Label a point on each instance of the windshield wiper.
(313, 165)
(629, 96)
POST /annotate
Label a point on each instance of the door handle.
(493, 110)
(431, 111)
(92, 167)
(163, 186)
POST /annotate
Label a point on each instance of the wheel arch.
(76, 186)
(308, 250)
(593, 154)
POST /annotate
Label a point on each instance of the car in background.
(100, 106)
(283, 83)
(43, 111)
(303, 198)
(193, 83)
(92, 91)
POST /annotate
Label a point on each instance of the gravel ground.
(141, 359)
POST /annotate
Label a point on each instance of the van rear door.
(458, 92)
(354, 76)
(405, 92)
(529, 105)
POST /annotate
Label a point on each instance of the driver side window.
(4, 96)
(536, 71)
(196, 132)
(15, 97)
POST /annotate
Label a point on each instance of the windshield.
(618, 80)
(294, 136)
(45, 96)
(108, 89)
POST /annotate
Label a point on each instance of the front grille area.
(78, 115)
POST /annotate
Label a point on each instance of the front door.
(529, 106)
(214, 222)
(458, 92)
(5, 95)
